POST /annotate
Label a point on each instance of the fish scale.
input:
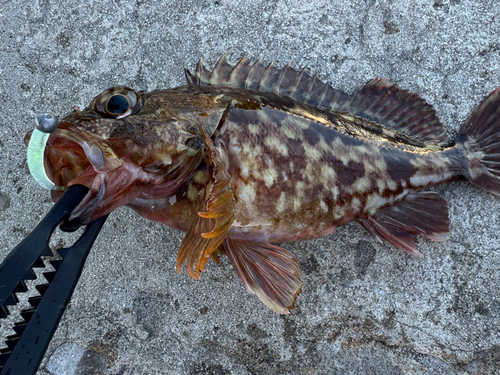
(357, 167)
(250, 155)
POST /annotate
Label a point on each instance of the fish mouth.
(102, 158)
(73, 157)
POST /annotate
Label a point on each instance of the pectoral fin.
(424, 213)
(215, 217)
(268, 271)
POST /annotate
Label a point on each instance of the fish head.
(123, 146)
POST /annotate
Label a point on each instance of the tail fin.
(481, 137)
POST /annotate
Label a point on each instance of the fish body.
(298, 173)
(247, 156)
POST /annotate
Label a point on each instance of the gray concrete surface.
(365, 307)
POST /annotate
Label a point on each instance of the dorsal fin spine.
(223, 72)
(276, 88)
(295, 83)
(197, 72)
(202, 73)
(333, 101)
(235, 71)
(217, 70)
(289, 77)
(307, 95)
(264, 75)
(323, 93)
(189, 76)
(251, 71)
(328, 101)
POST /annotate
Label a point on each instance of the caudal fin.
(481, 137)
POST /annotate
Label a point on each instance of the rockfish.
(244, 157)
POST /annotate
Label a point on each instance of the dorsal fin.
(379, 101)
(254, 74)
(405, 113)
(221, 72)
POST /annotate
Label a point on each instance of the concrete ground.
(365, 307)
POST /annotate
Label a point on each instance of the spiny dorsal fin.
(221, 72)
(379, 101)
(238, 74)
(202, 74)
(254, 74)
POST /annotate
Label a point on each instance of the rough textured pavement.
(365, 307)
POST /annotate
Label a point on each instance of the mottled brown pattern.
(311, 175)
(293, 166)
(240, 169)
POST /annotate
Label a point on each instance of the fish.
(243, 158)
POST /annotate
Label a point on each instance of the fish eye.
(117, 102)
(117, 105)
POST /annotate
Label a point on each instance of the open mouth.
(100, 157)
(72, 157)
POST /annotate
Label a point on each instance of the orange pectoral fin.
(211, 227)
(197, 249)
(268, 271)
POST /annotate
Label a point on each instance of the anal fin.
(268, 271)
(423, 213)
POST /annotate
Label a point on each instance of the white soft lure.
(44, 125)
